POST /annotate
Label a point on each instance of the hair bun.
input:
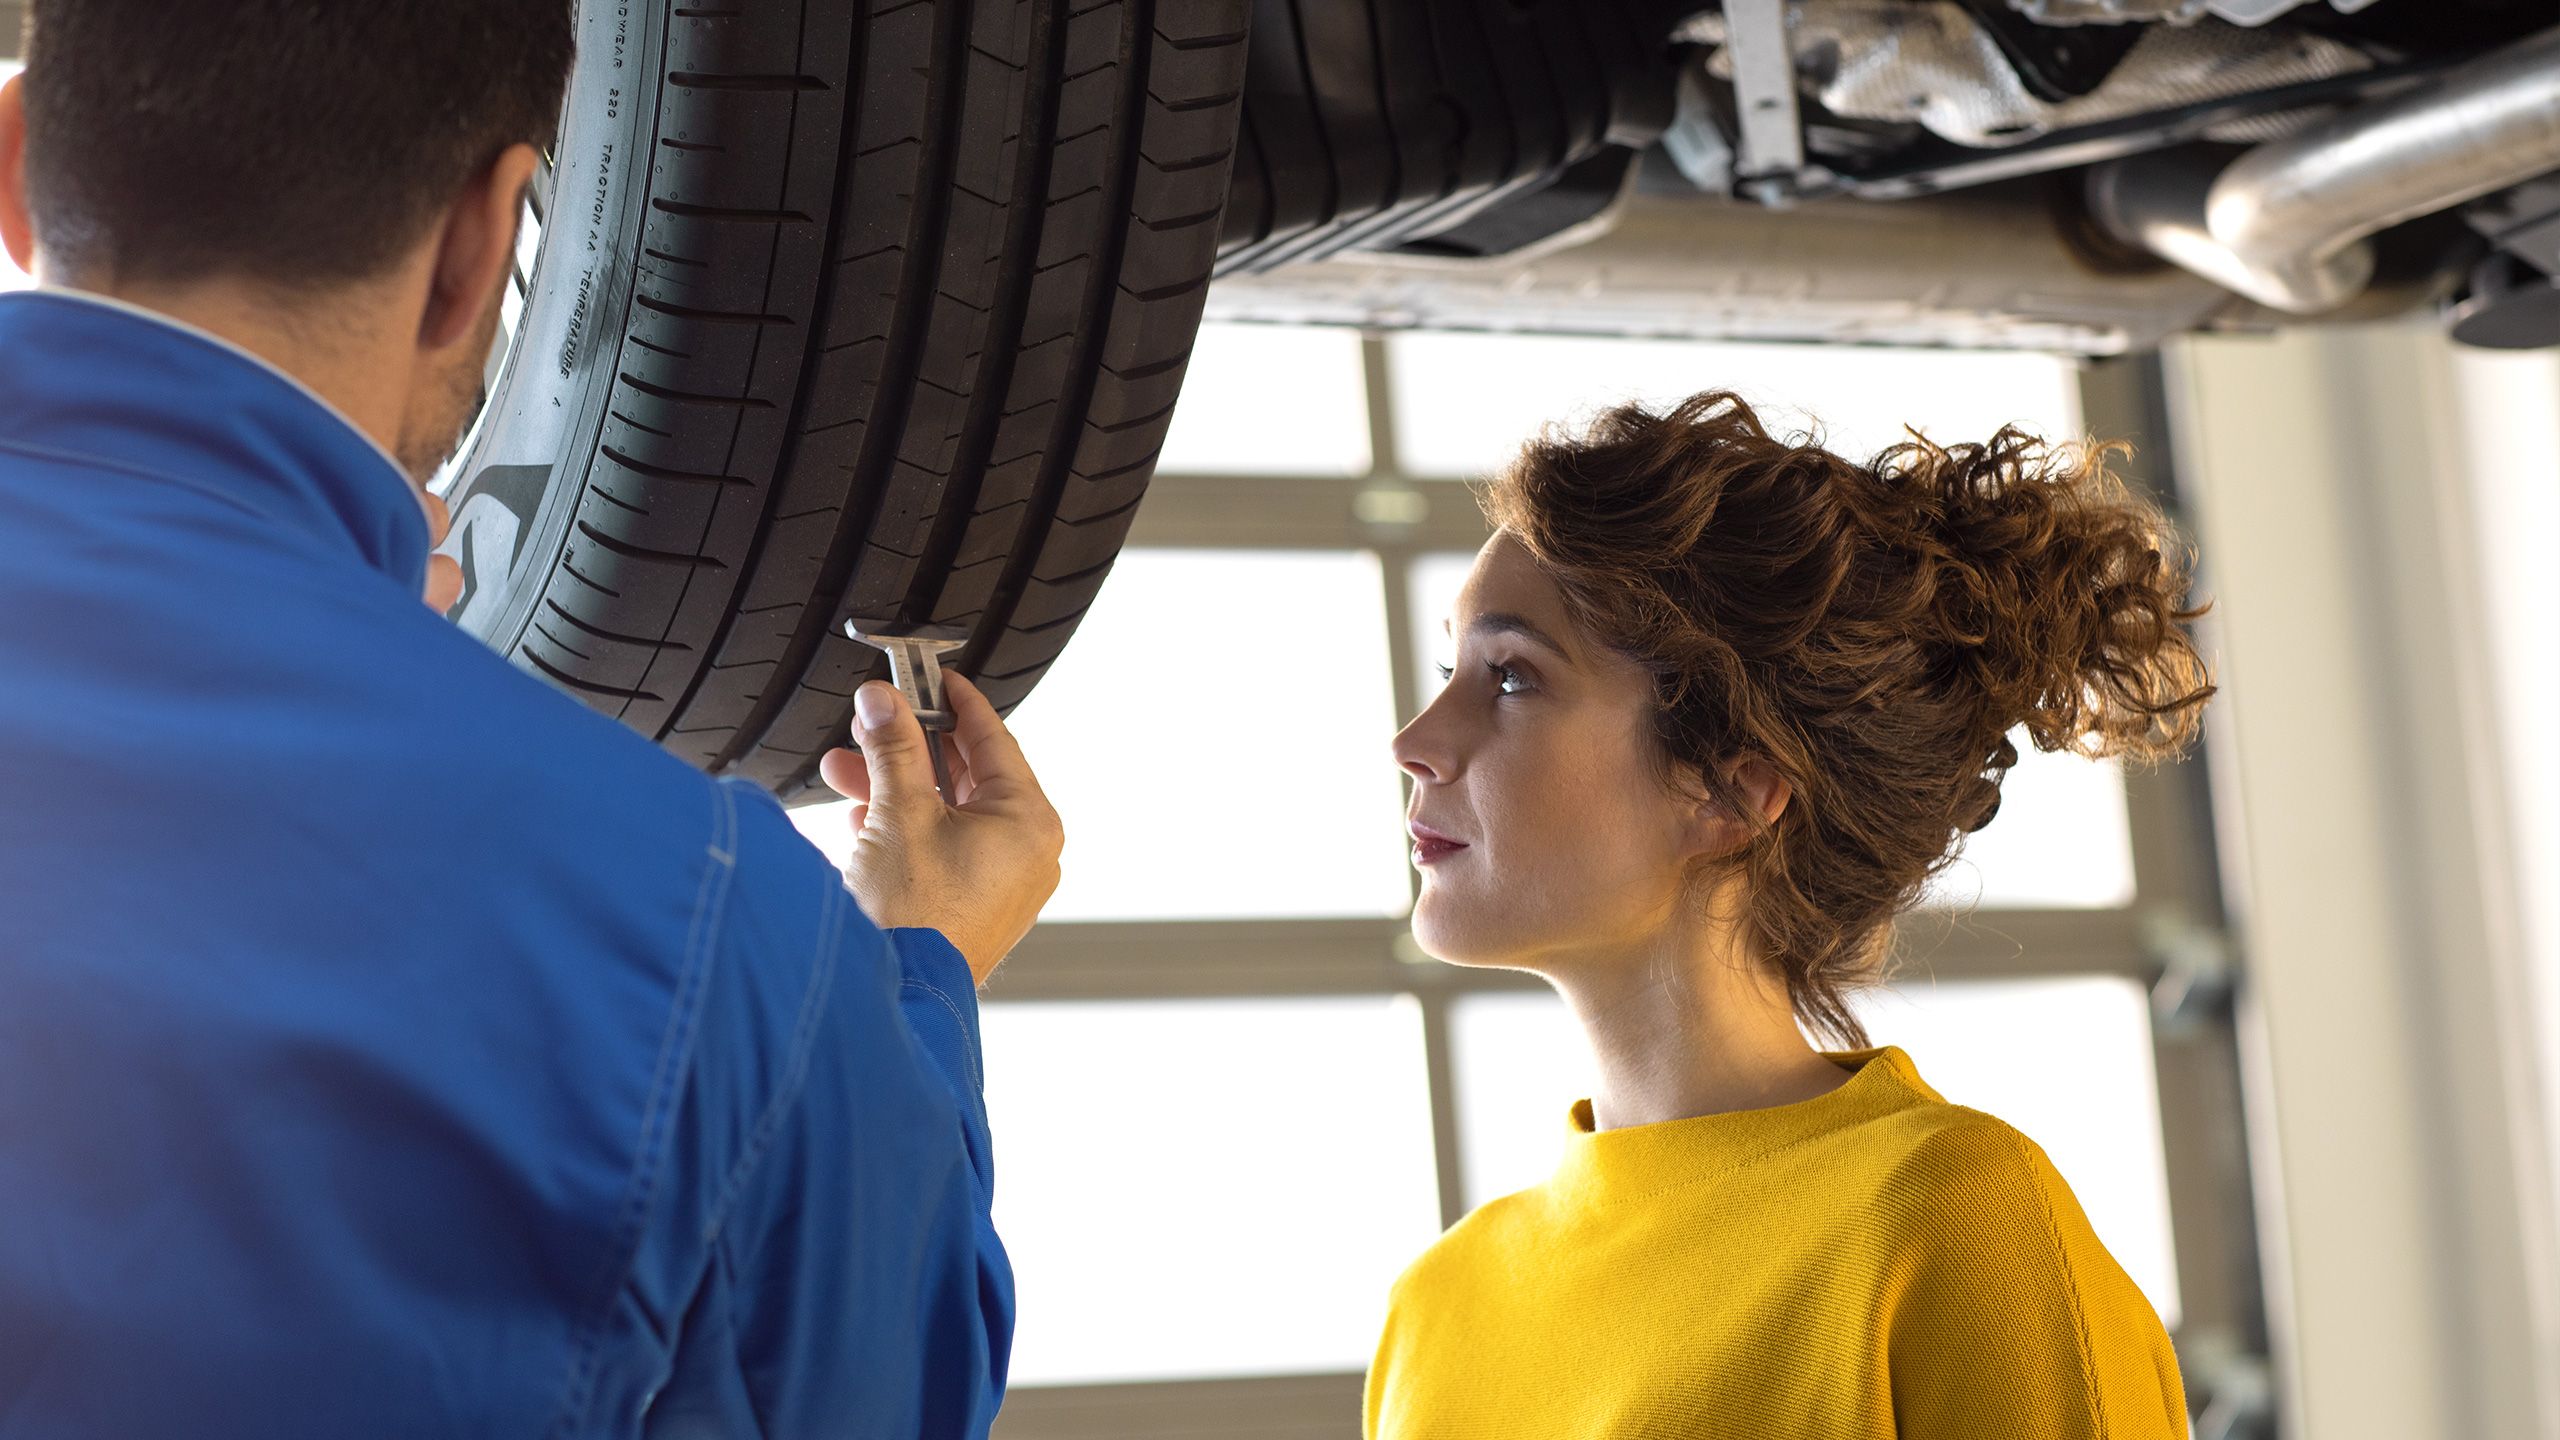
(2054, 590)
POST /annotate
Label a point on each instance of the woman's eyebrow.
(1503, 622)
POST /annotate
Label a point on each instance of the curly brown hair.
(1872, 632)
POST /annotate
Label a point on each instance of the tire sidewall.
(523, 468)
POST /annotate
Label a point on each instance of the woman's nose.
(1418, 752)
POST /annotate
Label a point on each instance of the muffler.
(2286, 223)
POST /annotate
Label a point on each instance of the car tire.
(841, 308)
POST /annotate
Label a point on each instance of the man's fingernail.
(875, 704)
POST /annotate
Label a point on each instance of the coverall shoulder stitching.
(84, 461)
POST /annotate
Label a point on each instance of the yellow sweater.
(1873, 1262)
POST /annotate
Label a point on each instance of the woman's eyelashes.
(1507, 680)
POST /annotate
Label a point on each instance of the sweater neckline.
(1635, 1160)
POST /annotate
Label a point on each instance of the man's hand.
(979, 868)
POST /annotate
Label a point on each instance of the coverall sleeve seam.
(795, 1076)
(977, 1064)
(674, 1063)
(723, 1256)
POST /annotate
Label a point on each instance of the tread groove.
(614, 500)
(688, 397)
(1085, 369)
(1181, 222)
(709, 317)
(1202, 42)
(1114, 513)
(565, 647)
(919, 277)
(702, 80)
(1047, 625)
(1118, 426)
(589, 686)
(597, 586)
(666, 472)
(1192, 162)
(629, 551)
(684, 211)
(601, 633)
(1198, 102)
(1025, 227)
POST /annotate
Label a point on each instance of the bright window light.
(2060, 841)
(1207, 1187)
(1271, 400)
(1215, 739)
(1520, 1064)
(1433, 583)
(2067, 1061)
(1464, 403)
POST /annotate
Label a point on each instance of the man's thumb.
(892, 743)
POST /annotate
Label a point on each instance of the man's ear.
(475, 248)
(17, 226)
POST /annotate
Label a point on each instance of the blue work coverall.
(390, 1045)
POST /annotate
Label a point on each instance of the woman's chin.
(1474, 946)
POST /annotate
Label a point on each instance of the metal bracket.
(2196, 972)
(2238, 1385)
(1769, 160)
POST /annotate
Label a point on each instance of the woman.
(1721, 705)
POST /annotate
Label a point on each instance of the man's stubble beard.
(432, 437)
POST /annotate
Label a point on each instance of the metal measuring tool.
(915, 667)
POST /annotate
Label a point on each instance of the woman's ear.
(1763, 789)
(1762, 785)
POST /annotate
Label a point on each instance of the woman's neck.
(1683, 1028)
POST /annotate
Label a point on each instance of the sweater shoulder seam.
(2070, 1277)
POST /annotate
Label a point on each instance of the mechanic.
(390, 1045)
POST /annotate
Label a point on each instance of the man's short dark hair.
(298, 142)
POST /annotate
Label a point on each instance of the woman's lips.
(1430, 847)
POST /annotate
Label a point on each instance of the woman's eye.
(1506, 680)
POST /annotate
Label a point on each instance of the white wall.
(2399, 1104)
(2510, 413)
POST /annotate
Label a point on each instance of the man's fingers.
(845, 774)
(444, 582)
(439, 516)
(995, 761)
(900, 772)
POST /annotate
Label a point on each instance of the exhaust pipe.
(2285, 224)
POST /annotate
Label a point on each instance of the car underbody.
(2082, 175)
